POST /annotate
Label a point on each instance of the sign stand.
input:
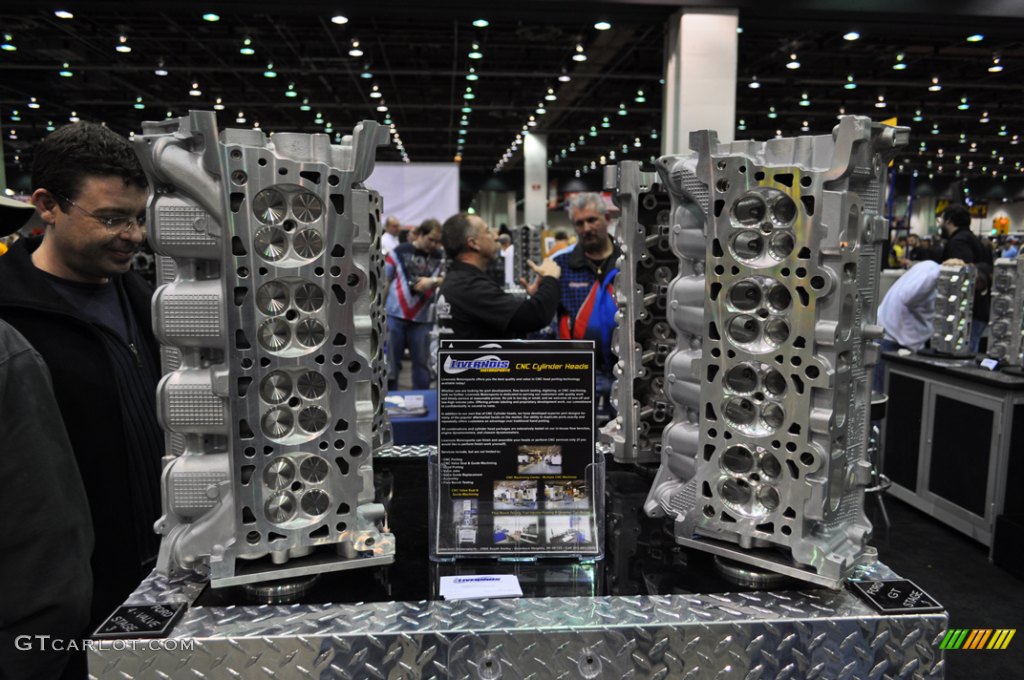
(516, 475)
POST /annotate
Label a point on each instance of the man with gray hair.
(472, 305)
(587, 307)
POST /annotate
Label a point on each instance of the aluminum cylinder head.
(1006, 322)
(954, 305)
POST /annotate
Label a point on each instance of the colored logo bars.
(977, 638)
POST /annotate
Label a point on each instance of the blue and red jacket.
(587, 307)
(404, 266)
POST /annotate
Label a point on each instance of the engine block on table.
(1006, 323)
(271, 318)
(954, 304)
(765, 461)
(643, 338)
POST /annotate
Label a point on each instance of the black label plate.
(896, 597)
(140, 621)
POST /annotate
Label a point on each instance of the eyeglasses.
(592, 219)
(117, 223)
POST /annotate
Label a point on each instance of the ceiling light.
(639, 98)
(880, 104)
(771, 112)
(984, 117)
(605, 123)
(636, 143)
(793, 64)
(472, 74)
(290, 92)
(195, 91)
(305, 105)
(541, 110)
(50, 127)
(935, 128)
(753, 85)
(339, 19)
(963, 105)
(934, 87)
(211, 17)
(900, 64)
(219, 106)
(355, 51)
(579, 56)
(467, 109)
(246, 48)
(550, 96)
(122, 44)
(917, 116)
(1002, 131)
(270, 72)
(375, 92)
(850, 85)
(622, 109)
(742, 126)
(32, 103)
(804, 101)
(977, 37)
(564, 78)
(160, 70)
(73, 118)
(138, 103)
(63, 14)
(15, 116)
(366, 74)
(469, 94)
(8, 44)
(851, 36)
(602, 25)
(240, 118)
(804, 127)
(65, 71)
(996, 67)
(481, 23)
(475, 52)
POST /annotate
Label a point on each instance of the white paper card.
(414, 401)
(470, 587)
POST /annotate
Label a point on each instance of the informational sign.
(897, 596)
(140, 621)
(515, 463)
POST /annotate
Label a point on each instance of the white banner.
(414, 192)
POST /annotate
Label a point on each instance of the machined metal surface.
(791, 634)
(644, 338)
(765, 462)
(1006, 321)
(954, 303)
(526, 240)
(272, 323)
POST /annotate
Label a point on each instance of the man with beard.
(72, 295)
(587, 307)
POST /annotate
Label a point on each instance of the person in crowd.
(13, 216)
(472, 305)
(508, 259)
(72, 295)
(907, 312)
(414, 274)
(1011, 249)
(896, 253)
(389, 239)
(561, 242)
(587, 307)
(962, 244)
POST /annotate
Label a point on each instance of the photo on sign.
(568, 529)
(464, 519)
(566, 495)
(516, 529)
(540, 460)
(515, 495)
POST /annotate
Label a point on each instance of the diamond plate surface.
(751, 635)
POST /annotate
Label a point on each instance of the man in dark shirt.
(962, 244)
(72, 296)
(472, 305)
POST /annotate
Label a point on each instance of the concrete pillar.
(700, 76)
(535, 179)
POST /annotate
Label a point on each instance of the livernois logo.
(453, 366)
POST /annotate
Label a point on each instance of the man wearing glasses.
(72, 296)
(586, 310)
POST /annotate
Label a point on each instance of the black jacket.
(964, 245)
(45, 531)
(106, 395)
(474, 307)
